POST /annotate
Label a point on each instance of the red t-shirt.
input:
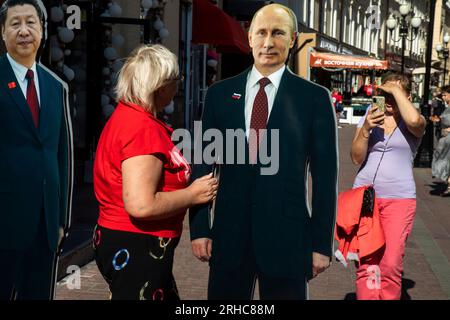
(130, 132)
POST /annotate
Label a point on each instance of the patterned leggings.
(136, 266)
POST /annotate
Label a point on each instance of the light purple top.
(395, 176)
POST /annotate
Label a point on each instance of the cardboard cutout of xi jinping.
(35, 157)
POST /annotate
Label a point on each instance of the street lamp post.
(415, 92)
(424, 154)
(404, 27)
(443, 52)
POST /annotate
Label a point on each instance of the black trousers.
(29, 274)
(239, 283)
(136, 266)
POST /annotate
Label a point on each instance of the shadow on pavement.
(350, 296)
(437, 188)
(406, 285)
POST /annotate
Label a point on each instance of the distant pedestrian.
(437, 106)
(385, 145)
(336, 98)
(441, 156)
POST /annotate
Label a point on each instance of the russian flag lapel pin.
(236, 96)
(12, 85)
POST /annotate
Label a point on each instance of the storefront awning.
(329, 60)
(213, 26)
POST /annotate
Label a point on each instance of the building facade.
(441, 29)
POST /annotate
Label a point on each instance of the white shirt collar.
(19, 70)
(275, 78)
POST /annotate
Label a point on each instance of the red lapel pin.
(236, 96)
(12, 85)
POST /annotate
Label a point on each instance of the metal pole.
(341, 22)
(424, 154)
(445, 67)
(386, 30)
(403, 53)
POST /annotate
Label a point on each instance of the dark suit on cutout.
(35, 184)
(262, 224)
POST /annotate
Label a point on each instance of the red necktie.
(258, 120)
(32, 97)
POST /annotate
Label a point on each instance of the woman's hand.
(373, 118)
(392, 87)
(203, 189)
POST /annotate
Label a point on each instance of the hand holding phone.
(376, 115)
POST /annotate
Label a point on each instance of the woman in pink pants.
(385, 144)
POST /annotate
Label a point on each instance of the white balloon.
(158, 24)
(57, 54)
(105, 100)
(106, 71)
(56, 14)
(67, 52)
(115, 10)
(107, 110)
(117, 40)
(169, 108)
(164, 33)
(66, 35)
(155, 3)
(117, 65)
(110, 53)
(105, 14)
(147, 4)
(69, 73)
(212, 63)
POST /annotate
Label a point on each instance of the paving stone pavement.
(426, 265)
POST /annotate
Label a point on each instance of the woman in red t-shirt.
(141, 182)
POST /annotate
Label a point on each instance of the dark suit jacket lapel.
(45, 112)
(15, 92)
(275, 117)
(238, 105)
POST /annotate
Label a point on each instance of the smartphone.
(212, 205)
(380, 101)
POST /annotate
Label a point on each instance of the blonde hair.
(147, 69)
(294, 26)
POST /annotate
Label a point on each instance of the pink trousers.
(380, 276)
